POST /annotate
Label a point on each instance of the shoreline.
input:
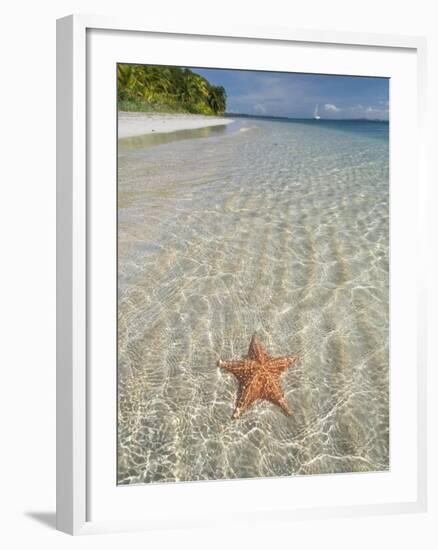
(132, 124)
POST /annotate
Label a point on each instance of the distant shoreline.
(303, 119)
(132, 124)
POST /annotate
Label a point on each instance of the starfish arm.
(273, 392)
(246, 398)
(248, 394)
(242, 370)
(256, 351)
(280, 364)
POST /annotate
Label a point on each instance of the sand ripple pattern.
(280, 230)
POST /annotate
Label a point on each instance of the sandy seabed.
(279, 230)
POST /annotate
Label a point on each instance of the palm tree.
(127, 81)
(156, 83)
(174, 87)
(217, 99)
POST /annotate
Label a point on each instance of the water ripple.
(281, 231)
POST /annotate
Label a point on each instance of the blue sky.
(296, 94)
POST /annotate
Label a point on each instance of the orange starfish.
(259, 377)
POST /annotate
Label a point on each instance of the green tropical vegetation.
(167, 89)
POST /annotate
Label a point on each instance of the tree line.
(174, 89)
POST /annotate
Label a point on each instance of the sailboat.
(315, 114)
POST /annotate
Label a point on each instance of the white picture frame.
(76, 214)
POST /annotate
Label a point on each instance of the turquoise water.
(278, 228)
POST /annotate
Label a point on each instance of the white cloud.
(332, 108)
(258, 108)
(373, 112)
(360, 111)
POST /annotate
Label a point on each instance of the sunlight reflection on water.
(282, 231)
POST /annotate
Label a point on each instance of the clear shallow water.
(267, 227)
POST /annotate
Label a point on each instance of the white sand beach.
(138, 124)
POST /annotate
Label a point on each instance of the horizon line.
(306, 118)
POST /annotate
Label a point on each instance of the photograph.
(252, 274)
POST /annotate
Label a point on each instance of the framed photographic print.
(240, 275)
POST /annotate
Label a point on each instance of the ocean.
(267, 227)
